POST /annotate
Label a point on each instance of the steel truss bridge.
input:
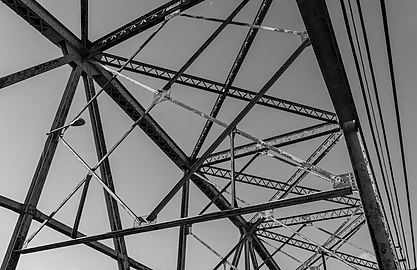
(219, 165)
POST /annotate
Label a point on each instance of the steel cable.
(381, 162)
(398, 120)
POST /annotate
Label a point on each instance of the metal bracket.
(138, 222)
(262, 153)
(304, 37)
(345, 180)
(161, 96)
(172, 15)
(267, 214)
(29, 209)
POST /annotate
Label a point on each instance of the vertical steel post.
(33, 195)
(80, 207)
(101, 149)
(182, 243)
(236, 256)
(232, 169)
(247, 233)
(323, 258)
(320, 31)
(247, 258)
(253, 256)
(84, 22)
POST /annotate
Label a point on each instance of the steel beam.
(345, 232)
(314, 159)
(200, 50)
(312, 217)
(221, 202)
(35, 70)
(232, 169)
(218, 88)
(141, 24)
(273, 184)
(66, 230)
(126, 102)
(236, 257)
(339, 244)
(105, 171)
(253, 256)
(225, 133)
(242, 241)
(36, 15)
(196, 219)
(129, 104)
(247, 43)
(319, 27)
(313, 248)
(134, 110)
(277, 141)
(182, 242)
(81, 204)
(286, 242)
(32, 198)
(84, 22)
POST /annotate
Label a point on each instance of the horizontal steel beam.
(277, 141)
(143, 23)
(312, 217)
(33, 71)
(66, 230)
(217, 88)
(273, 184)
(197, 219)
(313, 248)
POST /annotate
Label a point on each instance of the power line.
(397, 114)
(361, 81)
(365, 36)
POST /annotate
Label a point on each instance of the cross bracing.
(216, 161)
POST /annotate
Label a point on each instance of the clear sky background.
(142, 173)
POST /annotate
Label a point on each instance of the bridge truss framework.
(90, 62)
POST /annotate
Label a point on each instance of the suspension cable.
(379, 111)
(382, 164)
(398, 120)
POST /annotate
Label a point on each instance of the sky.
(142, 173)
